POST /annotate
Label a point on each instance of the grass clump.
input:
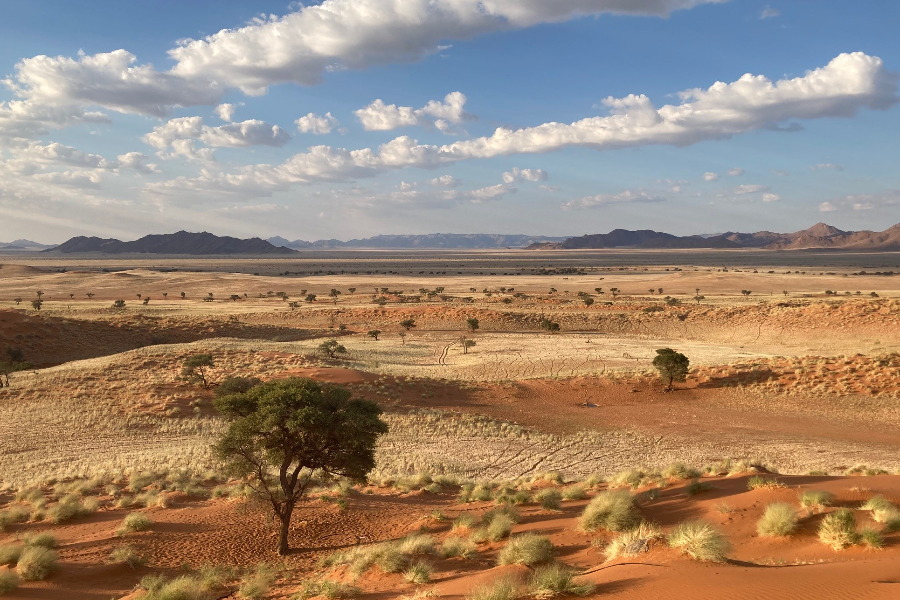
(633, 542)
(8, 581)
(680, 471)
(332, 590)
(496, 524)
(505, 588)
(611, 510)
(464, 521)
(549, 498)
(18, 514)
(127, 555)
(633, 478)
(815, 501)
(574, 492)
(700, 541)
(255, 585)
(418, 573)
(36, 563)
(871, 538)
(778, 520)
(695, 487)
(200, 586)
(556, 580)
(10, 553)
(455, 546)
(71, 506)
(838, 529)
(527, 549)
(136, 521)
(883, 511)
(759, 482)
(46, 540)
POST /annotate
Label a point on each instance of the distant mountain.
(24, 245)
(436, 241)
(819, 236)
(183, 242)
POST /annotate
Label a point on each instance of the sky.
(352, 118)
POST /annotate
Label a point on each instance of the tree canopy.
(672, 366)
(284, 433)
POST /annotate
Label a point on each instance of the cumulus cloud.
(315, 124)
(379, 116)
(225, 112)
(769, 197)
(21, 119)
(847, 84)
(179, 135)
(357, 34)
(736, 172)
(626, 197)
(827, 207)
(827, 167)
(710, 176)
(880, 200)
(750, 188)
(516, 175)
(769, 13)
(445, 181)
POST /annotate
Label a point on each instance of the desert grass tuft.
(455, 546)
(680, 471)
(759, 482)
(700, 541)
(549, 498)
(9, 581)
(255, 585)
(556, 579)
(136, 521)
(505, 588)
(418, 573)
(574, 492)
(778, 520)
(36, 563)
(331, 590)
(838, 529)
(883, 511)
(127, 555)
(10, 553)
(611, 510)
(633, 542)
(695, 487)
(527, 549)
(815, 501)
(46, 540)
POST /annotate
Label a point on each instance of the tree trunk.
(283, 546)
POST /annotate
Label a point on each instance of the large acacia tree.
(672, 366)
(283, 433)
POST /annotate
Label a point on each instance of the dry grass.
(527, 549)
(612, 510)
(778, 520)
(700, 541)
(633, 542)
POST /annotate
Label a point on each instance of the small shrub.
(700, 541)
(815, 501)
(695, 487)
(36, 563)
(633, 478)
(549, 498)
(332, 590)
(255, 585)
(499, 527)
(419, 543)
(527, 549)
(758, 482)
(127, 555)
(18, 514)
(574, 492)
(613, 511)
(71, 506)
(555, 580)
(506, 588)
(883, 511)
(136, 521)
(872, 539)
(457, 546)
(680, 471)
(838, 529)
(10, 553)
(46, 540)
(418, 573)
(633, 542)
(8, 581)
(778, 520)
(464, 521)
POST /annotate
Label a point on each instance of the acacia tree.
(283, 433)
(194, 368)
(672, 365)
(374, 334)
(472, 324)
(332, 348)
(408, 324)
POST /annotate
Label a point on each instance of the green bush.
(700, 541)
(527, 549)
(871, 538)
(555, 580)
(36, 563)
(883, 511)
(549, 498)
(611, 510)
(778, 520)
(838, 529)
(136, 521)
(815, 501)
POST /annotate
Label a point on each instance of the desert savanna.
(502, 431)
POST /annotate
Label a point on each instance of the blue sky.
(84, 150)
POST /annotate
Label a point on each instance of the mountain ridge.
(181, 242)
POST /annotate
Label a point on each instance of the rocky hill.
(183, 242)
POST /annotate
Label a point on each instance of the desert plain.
(792, 398)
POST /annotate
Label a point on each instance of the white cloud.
(768, 197)
(405, 186)
(137, 161)
(225, 112)
(446, 181)
(626, 197)
(827, 207)
(881, 200)
(179, 135)
(516, 175)
(736, 172)
(710, 176)
(769, 13)
(827, 167)
(486, 194)
(357, 34)
(848, 83)
(379, 116)
(28, 120)
(549, 188)
(409, 197)
(750, 188)
(315, 124)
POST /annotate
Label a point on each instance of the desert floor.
(784, 378)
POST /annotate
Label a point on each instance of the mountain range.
(820, 235)
(182, 242)
(438, 241)
(24, 245)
